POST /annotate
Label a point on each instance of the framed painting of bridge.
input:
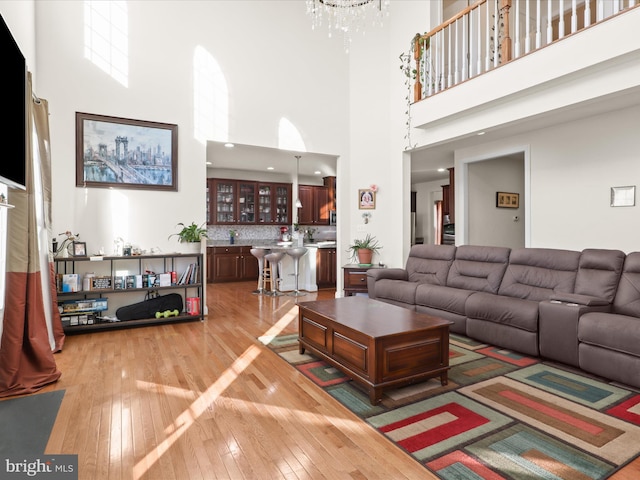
(113, 152)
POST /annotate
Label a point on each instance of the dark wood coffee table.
(379, 345)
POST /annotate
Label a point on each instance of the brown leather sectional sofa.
(578, 308)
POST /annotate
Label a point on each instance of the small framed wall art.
(507, 200)
(366, 199)
(114, 152)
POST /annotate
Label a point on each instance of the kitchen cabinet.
(448, 197)
(232, 202)
(330, 183)
(326, 267)
(446, 203)
(240, 202)
(315, 205)
(210, 259)
(231, 264)
(447, 228)
(274, 203)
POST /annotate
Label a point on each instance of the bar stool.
(260, 253)
(274, 259)
(295, 253)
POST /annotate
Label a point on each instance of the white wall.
(276, 68)
(489, 225)
(571, 170)
(377, 105)
(18, 15)
(574, 167)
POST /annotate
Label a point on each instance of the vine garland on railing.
(412, 74)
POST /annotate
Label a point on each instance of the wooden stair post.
(417, 53)
(505, 48)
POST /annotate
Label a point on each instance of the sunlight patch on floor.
(203, 402)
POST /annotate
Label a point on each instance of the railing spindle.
(517, 20)
(527, 34)
(549, 23)
(538, 25)
(479, 38)
(479, 54)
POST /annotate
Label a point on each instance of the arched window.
(210, 99)
(106, 38)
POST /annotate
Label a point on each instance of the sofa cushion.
(509, 311)
(627, 300)
(599, 273)
(396, 290)
(611, 331)
(430, 263)
(478, 268)
(443, 298)
(535, 273)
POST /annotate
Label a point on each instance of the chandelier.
(346, 16)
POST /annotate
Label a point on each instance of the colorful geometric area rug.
(501, 416)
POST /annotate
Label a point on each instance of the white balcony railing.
(490, 33)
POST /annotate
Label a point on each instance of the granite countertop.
(268, 243)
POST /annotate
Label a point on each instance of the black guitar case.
(149, 307)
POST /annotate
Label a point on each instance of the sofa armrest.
(375, 274)
(577, 299)
(388, 273)
(558, 325)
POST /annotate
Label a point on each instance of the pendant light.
(298, 202)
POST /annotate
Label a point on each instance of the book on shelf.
(191, 275)
(70, 282)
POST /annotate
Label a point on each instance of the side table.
(355, 278)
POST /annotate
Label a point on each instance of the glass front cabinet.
(223, 193)
(241, 202)
(275, 203)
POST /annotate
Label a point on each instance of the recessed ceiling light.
(208, 163)
(481, 133)
(441, 169)
(317, 172)
(229, 145)
(269, 168)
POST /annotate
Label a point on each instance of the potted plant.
(191, 234)
(362, 250)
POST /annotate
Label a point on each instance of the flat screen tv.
(13, 133)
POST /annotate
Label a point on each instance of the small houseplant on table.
(362, 250)
(192, 235)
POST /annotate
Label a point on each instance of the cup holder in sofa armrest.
(577, 299)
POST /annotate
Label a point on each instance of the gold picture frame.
(507, 200)
(366, 199)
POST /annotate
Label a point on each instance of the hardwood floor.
(206, 400)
